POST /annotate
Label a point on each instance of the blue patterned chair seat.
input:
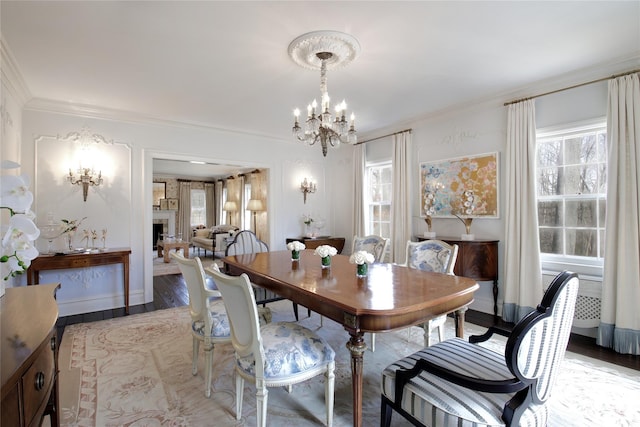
(220, 323)
(289, 349)
(430, 256)
(437, 402)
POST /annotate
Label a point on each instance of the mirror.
(159, 193)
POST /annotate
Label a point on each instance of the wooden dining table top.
(390, 297)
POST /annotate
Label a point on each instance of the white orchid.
(19, 234)
(296, 246)
(361, 257)
(325, 251)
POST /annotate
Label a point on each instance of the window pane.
(581, 242)
(548, 182)
(549, 153)
(550, 213)
(602, 214)
(551, 240)
(602, 147)
(581, 213)
(580, 179)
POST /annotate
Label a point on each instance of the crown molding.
(103, 113)
(11, 75)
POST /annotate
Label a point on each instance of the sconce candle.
(307, 186)
(86, 179)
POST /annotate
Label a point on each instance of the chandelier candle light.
(324, 49)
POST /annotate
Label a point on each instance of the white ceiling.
(224, 64)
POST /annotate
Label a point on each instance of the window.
(378, 199)
(571, 191)
(198, 208)
(246, 219)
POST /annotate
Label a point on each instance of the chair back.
(239, 300)
(246, 242)
(432, 255)
(537, 344)
(195, 278)
(375, 245)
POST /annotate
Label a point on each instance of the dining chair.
(438, 257)
(279, 354)
(246, 242)
(458, 382)
(377, 246)
(209, 322)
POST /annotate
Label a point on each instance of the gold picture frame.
(173, 204)
(164, 204)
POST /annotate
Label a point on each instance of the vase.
(70, 241)
(295, 255)
(362, 270)
(326, 262)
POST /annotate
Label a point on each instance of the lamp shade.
(255, 205)
(230, 206)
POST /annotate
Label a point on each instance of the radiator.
(588, 304)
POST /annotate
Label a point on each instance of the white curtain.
(219, 192)
(184, 209)
(210, 204)
(400, 205)
(522, 281)
(620, 319)
(359, 154)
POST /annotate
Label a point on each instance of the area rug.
(136, 371)
(161, 268)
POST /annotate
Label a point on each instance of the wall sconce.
(255, 205)
(229, 207)
(86, 179)
(307, 186)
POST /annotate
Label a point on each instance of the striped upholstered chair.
(459, 383)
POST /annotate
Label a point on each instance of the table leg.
(357, 347)
(125, 281)
(166, 254)
(495, 297)
(159, 250)
(459, 320)
(186, 251)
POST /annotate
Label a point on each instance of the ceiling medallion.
(322, 50)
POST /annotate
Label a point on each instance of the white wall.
(478, 129)
(288, 163)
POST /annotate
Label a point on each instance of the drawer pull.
(39, 383)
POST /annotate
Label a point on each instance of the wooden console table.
(83, 260)
(477, 259)
(29, 355)
(314, 242)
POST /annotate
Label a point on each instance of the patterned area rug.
(160, 268)
(136, 371)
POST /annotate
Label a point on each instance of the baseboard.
(99, 303)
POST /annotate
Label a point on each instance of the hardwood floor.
(171, 291)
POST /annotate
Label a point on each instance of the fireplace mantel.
(169, 216)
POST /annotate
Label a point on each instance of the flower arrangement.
(307, 219)
(429, 208)
(18, 248)
(326, 252)
(467, 208)
(296, 246)
(69, 227)
(361, 257)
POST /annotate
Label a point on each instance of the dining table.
(389, 297)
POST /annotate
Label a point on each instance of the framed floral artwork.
(465, 186)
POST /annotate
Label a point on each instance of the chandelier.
(320, 50)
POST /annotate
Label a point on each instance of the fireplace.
(157, 231)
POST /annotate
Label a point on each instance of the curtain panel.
(400, 212)
(620, 319)
(210, 204)
(359, 160)
(184, 209)
(522, 284)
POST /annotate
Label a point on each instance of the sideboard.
(29, 355)
(314, 242)
(477, 259)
